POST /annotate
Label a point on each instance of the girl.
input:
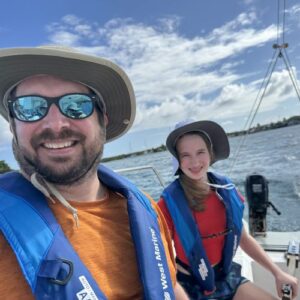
(204, 213)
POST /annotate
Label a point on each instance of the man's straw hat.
(101, 75)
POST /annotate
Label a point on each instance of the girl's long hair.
(196, 191)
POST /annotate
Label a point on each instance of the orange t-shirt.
(210, 221)
(103, 242)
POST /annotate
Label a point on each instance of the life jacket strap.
(58, 271)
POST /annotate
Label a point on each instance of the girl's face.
(194, 157)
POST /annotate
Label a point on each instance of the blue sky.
(186, 59)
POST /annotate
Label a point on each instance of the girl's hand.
(282, 279)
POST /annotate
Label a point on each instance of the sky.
(204, 60)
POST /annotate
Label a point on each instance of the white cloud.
(246, 18)
(170, 23)
(175, 76)
(294, 10)
(71, 20)
(294, 14)
(72, 30)
(64, 38)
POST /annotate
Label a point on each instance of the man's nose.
(55, 120)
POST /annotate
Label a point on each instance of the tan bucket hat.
(101, 75)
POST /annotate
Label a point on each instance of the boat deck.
(275, 244)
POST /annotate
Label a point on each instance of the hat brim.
(214, 131)
(100, 74)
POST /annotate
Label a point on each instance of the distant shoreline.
(295, 120)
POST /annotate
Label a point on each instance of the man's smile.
(58, 145)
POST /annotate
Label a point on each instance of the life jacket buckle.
(68, 276)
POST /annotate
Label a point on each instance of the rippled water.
(274, 154)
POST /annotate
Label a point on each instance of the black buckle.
(69, 275)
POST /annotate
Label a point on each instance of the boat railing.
(146, 167)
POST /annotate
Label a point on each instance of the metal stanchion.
(292, 261)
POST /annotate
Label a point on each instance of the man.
(71, 230)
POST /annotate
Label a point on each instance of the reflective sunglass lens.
(76, 106)
(30, 108)
(33, 108)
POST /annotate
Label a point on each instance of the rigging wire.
(263, 93)
(278, 53)
(254, 110)
(283, 21)
(260, 89)
(278, 20)
(291, 73)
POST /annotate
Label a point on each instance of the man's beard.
(66, 173)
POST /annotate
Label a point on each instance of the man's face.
(61, 149)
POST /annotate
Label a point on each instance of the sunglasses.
(32, 108)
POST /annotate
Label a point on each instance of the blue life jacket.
(47, 259)
(190, 237)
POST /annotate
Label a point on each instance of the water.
(274, 154)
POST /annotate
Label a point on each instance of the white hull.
(275, 244)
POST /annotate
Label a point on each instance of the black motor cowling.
(257, 193)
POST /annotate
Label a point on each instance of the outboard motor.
(257, 193)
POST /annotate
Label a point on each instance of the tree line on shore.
(4, 167)
(295, 120)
